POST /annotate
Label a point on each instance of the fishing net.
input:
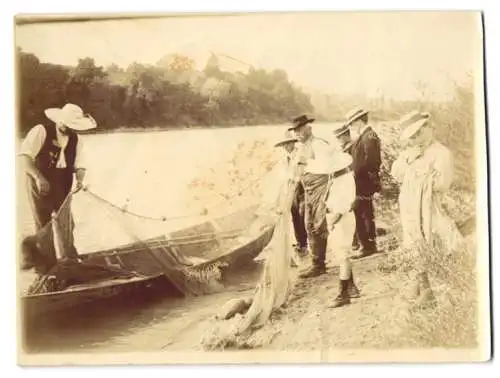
(117, 242)
(238, 322)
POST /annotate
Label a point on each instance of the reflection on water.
(151, 324)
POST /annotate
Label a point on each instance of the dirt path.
(380, 318)
(307, 321)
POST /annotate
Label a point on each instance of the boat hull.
(150, 263)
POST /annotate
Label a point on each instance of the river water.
(150, 171)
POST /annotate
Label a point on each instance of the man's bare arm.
(30, 168)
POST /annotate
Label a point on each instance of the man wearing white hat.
(366, 154)
(425, 172)
(51, 156)
(341, 221)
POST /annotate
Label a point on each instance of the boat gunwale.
(106, 284)
(110, 283)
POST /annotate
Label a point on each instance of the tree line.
(169, 94)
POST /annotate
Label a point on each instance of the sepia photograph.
(296, 187)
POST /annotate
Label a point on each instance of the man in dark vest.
(366, 154)
(51, 158)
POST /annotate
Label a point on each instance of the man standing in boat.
(366, 154)
(315, 187)
(52, 158)
(289, 146)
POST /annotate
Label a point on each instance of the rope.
(164, 218)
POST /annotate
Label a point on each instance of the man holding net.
(315, 186)
(288, 144)
(51, 156)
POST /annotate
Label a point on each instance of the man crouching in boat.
(51, 157)
(309, 149)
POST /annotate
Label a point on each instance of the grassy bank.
(453, 324)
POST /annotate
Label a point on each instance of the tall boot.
(317, 247)
(352, 289)
(355, 241)
(342, 298)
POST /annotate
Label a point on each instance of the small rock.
(233, 307)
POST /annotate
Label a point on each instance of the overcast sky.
(343, 53)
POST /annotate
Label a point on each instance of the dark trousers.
(42, 207)
(316, 188)
(365, 233)
(298, 219)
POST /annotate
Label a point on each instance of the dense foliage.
(170, 94)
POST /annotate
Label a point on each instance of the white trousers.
(340, 238)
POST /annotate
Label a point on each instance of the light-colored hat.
(341, 129)
(287, 139)
(71, 116)
(335, 162)
(354, 115)
(412, 122)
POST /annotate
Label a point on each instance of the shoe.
(313, 271)
(301, 251)
(365, 252)
(341, 300)
(352, 289)
(362, 254)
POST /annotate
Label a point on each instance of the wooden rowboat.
(220, 243)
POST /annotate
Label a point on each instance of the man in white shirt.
(51, 158)
(342, 223)
(310, 149)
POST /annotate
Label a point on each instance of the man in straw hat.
(425, 172)
(366, 154)
(288, 144)
(339, 203)
(342, 134)
(51, 156)
(309, 149)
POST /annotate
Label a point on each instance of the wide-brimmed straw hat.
(354, 115)
(72, 116)
(301, 121)
(340, 129)
(335, 162)
(412, 122)
(288, 138)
